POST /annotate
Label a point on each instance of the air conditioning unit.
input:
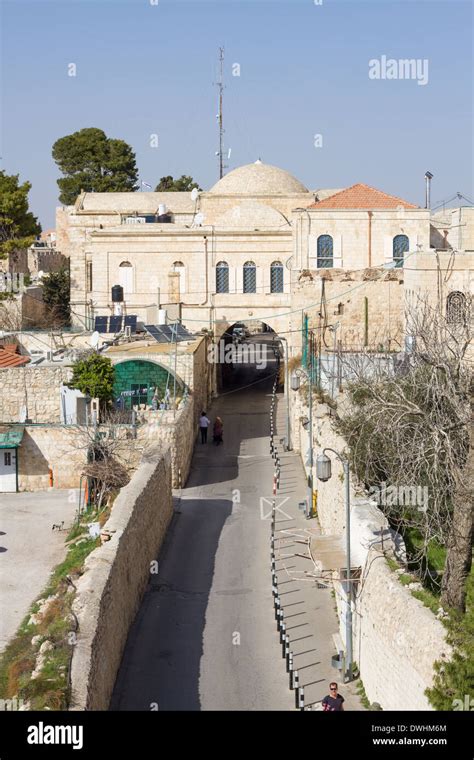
(135, 220)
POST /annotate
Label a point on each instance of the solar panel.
(156, 333)
(131, 321)
(173, 333)
(115, 324)
(183, 333)
(167, 332)
(100, 324)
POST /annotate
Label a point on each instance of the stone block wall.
(345, 304)
(59, 447)
(396, 640)
(37, 388)
(116, 574)
(176, 434)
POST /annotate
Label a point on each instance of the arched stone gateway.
(250, 345)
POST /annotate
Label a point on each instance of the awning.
(10, 438)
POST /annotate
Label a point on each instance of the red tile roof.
(362, 196)
(10, 357)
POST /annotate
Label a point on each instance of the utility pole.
(220, 85)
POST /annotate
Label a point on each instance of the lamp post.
(287, 393)
(295, 385)
(323, 472)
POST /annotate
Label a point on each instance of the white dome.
(251, 215)
(258, 179)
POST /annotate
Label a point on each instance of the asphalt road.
(205, 636)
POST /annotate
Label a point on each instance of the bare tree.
(410, 424)
(110, 454)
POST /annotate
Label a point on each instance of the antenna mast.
(220, 85)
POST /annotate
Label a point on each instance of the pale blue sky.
(144, 69)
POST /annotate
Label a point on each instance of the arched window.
(456, 307)
(126, 276)
(222, 277)
(276, 277)
(325, 252)
(250, 277)
(401, 246)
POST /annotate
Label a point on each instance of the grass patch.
(360, 689)
(429, 600)
(454, 679)
(392, 563)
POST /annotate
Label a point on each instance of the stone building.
(258, 247)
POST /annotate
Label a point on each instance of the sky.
(149, 67)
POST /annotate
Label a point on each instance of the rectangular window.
(276, 279)
(250, 279)
(7, 459)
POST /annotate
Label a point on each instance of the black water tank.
(117, 294)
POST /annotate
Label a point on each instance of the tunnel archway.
(246, 353)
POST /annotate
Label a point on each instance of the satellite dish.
(199, 219)
(194, 194)
(94, 339)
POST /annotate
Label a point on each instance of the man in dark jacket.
(333, 701)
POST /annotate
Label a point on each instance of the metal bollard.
(282, 633)
(296, 680)
(289, 667)
(300, 698)
(286, 648)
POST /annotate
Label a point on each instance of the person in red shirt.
(333, 701)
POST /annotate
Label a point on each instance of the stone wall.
(116, 574)
(345, 305)
(37, 388)
(176, 433)
(61, 448)
(396, 639)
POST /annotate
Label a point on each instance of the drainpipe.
(366, 321)
(370, 214)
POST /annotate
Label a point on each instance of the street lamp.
(323, 473)
(295, 386)
(287, 394)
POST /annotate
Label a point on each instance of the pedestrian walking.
(204, 423)
(218, 431)
(333, 701)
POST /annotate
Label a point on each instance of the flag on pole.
(145, 184)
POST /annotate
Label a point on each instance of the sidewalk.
(308, 606)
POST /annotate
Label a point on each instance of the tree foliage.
(56, 296)
(93, 162)
(94, 376)
(182, 184)
(455, 679)
(18, 226)
(411, 428)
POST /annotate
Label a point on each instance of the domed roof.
(258, 179)
(252, 216)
